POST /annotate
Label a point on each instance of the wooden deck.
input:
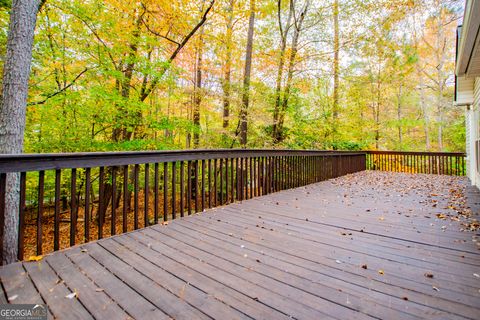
(368, 245)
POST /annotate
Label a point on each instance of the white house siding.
(474, 135)
(468, 141)
(465, 87)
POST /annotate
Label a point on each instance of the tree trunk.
(423, 106)
(226, 85)
(400, 116)
(421, 87)
(281, 63)
(336, 48)
(291, 64)
(441, 56)
(16, 74)
(246, 77)
(197, 92)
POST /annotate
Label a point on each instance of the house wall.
(473, 136)
(464, 93)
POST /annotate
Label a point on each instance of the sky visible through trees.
(338, 74)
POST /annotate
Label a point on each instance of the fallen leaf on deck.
(364, 266)
(35, 258)
(338, 261)
(10, 299)
(428, 275)
(441, 216)
(405, 298)
(71, 295)
(164, 223)
(381, 272)
(381, 218)
(84, 250)
(476, 275)
(99, 290)
(435, 288)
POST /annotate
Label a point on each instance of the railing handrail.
(49, 161)
(453, 154)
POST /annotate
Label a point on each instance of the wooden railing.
(448, 163)
(66, 199)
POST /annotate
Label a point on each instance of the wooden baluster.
(101, 189)
(41, 187)
(21, 217)
(73, 207)
(113, 225)
(165, 191)
(86, 215)
(182, 189)
(189, 187)
(203, 185)
(221, 182)
(126, 199)
(3, 191)
(232, 174)
(174, 190)
(215, 189)
(156, 192)
(209, 171)
(146, 191)
(56, 219)
(196, 185)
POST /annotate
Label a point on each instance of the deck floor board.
(356, 247)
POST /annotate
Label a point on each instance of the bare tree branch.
(59, 91)
(159, 34)
(144, 94)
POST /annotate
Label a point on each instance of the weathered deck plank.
(358, 247)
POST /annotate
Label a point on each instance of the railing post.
(3, 188)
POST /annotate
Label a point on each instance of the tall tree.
(298, 27)
(227, 69)
(336, 65)
(283, 29)
(16, 74)
(197, 91)
(246, 77)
